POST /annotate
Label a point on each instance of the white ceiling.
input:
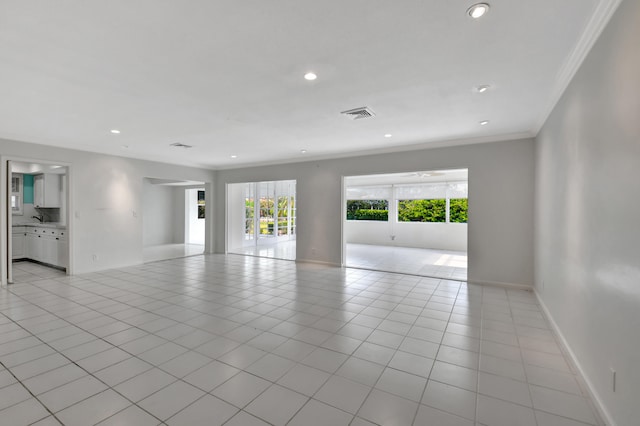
(226, 76)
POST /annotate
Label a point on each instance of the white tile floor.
(170, 251)
(285, 250)
(406, 260)
(241, 341)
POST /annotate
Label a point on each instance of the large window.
(422, 210)
(437, 202)
(368, 210)
(458, 210)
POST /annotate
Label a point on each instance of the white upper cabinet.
(47, 190)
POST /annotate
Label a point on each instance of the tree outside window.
(377, 210)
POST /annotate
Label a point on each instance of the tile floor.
(428, 262)
(170, 251)
(241, 341)
(285, 250)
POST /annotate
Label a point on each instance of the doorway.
(173, 219)
(261, 219)
(37, 221)
(413, 223)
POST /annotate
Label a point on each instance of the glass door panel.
(249, 212)
(267, 209)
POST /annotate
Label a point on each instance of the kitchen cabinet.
(47, 245)
(34, 247)
(47, 191)
(49, 250)
(62, 252)
(18, 244)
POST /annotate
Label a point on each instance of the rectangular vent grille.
(359, 113)
(181, 145)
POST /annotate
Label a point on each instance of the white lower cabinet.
(34, 247)
(63, 253)
(49, 250)
(46, 245)
(18, 244)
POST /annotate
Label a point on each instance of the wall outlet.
(134, 213)
(613, 379)
(95, 257)
(313, 250)
(393, 237)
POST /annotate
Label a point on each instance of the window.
(422, 210)
(16, 194)
(377, 210)
(458, 210)
(201, 205)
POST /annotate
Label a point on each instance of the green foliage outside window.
(377, 210)
(422, 210)
(458, 208)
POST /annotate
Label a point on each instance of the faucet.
(40, 218)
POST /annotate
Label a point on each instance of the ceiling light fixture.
(483, 88)
(478, 10)
(303, 151)
(310, 76)
(234, 156)
(115, 131)
(484, 122)
(181, 145)
(125, 146)
(388, 135)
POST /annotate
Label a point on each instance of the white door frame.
(6, 219)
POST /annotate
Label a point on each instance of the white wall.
(501, 175)
(444, 236)
(106, 194)
(28, 211)
(179, 204)
(159, 214)
(587, 217)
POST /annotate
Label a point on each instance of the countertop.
(54, 225)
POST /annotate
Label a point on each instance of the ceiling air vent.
(181, 145)
(359, 113)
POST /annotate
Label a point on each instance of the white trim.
(599, 20)
(595, 397)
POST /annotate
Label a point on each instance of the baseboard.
(501, 284)
(318, 262)
(600, 407)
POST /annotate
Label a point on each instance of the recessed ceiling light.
(484, 122)
(303, 151)
(478, 10)
(483, 88)
(115, 131)
(310, 76)
(234, 156)
(387, 135)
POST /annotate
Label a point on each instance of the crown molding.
(599, 20)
